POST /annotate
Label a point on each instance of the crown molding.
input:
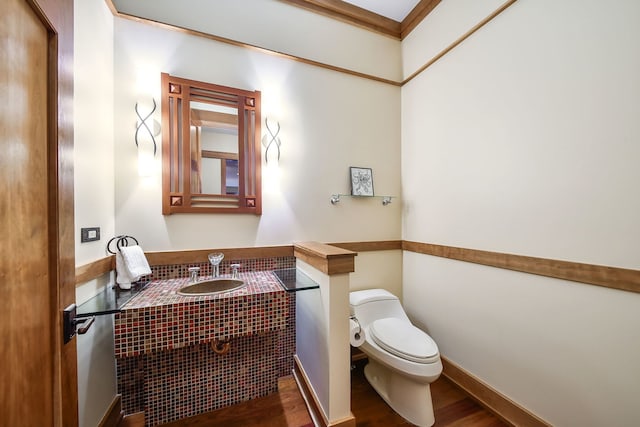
(416, 16)
(350, 14)
(346, 12)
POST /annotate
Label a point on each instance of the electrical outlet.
(89, 234)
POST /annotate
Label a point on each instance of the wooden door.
(39, 381)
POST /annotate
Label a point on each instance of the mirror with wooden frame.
(210, 148)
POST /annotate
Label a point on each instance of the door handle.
(70, 321)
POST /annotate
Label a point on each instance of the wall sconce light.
(146, 130)
(269, 140)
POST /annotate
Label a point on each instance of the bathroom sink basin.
(211, 286)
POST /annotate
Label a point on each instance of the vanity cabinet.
(170, 349)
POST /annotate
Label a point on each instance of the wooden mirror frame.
(177, 194)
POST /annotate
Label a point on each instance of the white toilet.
(403, 360)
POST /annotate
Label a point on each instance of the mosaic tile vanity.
(165, 362)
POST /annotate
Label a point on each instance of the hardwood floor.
(283, 409)
(452, 407)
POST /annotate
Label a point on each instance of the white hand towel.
(122, 274)
(135, 262)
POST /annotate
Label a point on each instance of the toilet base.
(410, 399)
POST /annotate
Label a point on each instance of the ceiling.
(392, 9)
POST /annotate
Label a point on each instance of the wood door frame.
(57, 17)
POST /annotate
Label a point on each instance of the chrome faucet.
(215, 259)
(193, 274)
(234, 270)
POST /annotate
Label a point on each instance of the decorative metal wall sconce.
(142, 123)
(269, 140)
(146, 131)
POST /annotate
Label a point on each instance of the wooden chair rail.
(200, 255)
(610, 277)
(97, 268)
(94, 269)
(380, 245)
(326, 258)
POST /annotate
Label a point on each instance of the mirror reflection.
(214, 149)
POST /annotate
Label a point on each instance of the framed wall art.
(361, 181)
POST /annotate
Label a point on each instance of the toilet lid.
(401, 338)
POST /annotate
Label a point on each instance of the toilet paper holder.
(355, 319)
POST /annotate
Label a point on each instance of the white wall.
(378, 269)
(94, 194)
(93, 126)
(444, 24)
(282, 28)
(524, 140)
(329, 121)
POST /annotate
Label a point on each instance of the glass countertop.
(294, 280)
(110, 300)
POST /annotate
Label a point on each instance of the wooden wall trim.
(415, 17)
(377, 245)
(488, 397)
(312, 402)
(59, 17)
(97, 268)
(309, 397)
(326, 258)
(351, 14)
(133, 420)
(114, 414)
(94, 269)
(408, 24)
(610, 277)
(459, 40)
(200, 255)
(267, 51)
(111, 7)
(363, 18)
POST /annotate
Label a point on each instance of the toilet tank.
(372, 304)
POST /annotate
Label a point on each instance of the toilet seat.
(404, 340)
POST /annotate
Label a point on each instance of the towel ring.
(121, 241)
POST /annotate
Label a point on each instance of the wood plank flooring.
(452, 407)
(283, 409)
